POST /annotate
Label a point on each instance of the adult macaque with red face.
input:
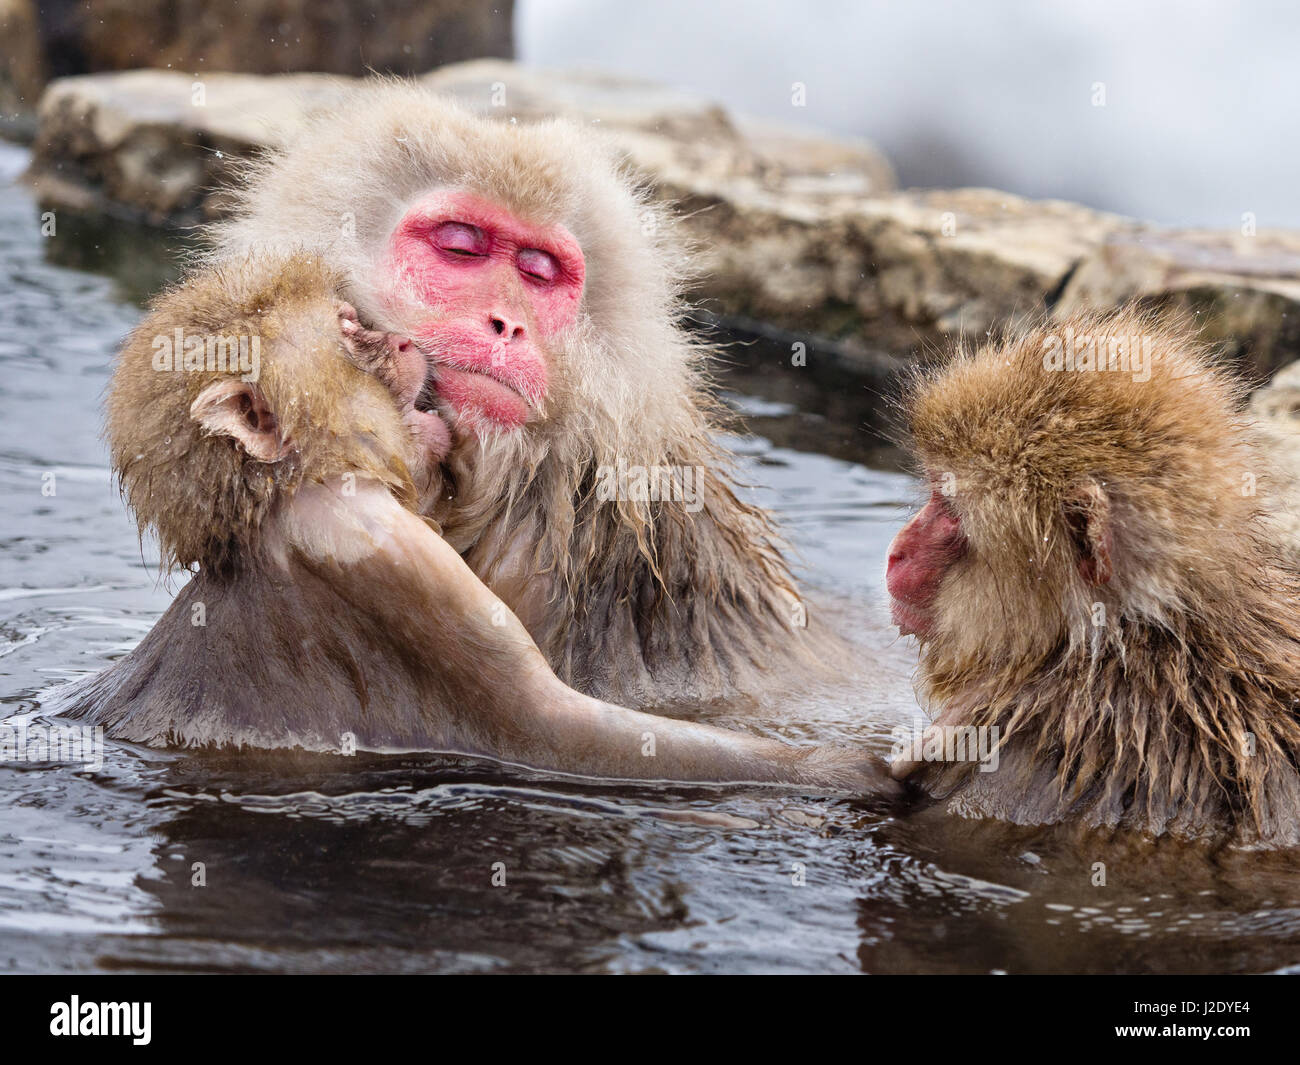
(584, 483)
(1092, 586)
(505, 290)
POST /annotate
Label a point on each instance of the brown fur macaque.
(1094, 576)
(323, 613)
(584, 484)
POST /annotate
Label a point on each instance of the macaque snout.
(919, 555)
(487, 370)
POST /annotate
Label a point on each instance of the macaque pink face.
(918, 558)
(497, 289)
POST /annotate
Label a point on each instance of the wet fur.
(1145, 721)
(323, 613)
(636, 601)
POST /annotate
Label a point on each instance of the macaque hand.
(402, 368)
(866, 775)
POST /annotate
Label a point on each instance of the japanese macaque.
(583, 483)
(324, 613)
(1095, 583)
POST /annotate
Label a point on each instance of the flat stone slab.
(803, 232)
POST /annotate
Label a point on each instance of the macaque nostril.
(505, 328)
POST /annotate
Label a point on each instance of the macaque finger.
(432, 438)
(403, 369)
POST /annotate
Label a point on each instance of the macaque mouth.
(483, 394)
(909, 620)
(488, 384)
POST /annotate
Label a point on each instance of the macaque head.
(1080, 477)
(206, 454)
(488, 295)
(522, 259)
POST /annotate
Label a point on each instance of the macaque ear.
(1087, 516)
(238, 409)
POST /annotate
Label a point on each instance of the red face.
(920, 554)
(497, 290)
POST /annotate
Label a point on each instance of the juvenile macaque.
(1095, 578)
(583, 483)
(323, 612)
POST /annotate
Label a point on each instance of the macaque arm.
(504, 700)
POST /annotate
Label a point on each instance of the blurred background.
(1176, 112)
(1198, 124)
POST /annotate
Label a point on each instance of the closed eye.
(539, 265)
(460, 238)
